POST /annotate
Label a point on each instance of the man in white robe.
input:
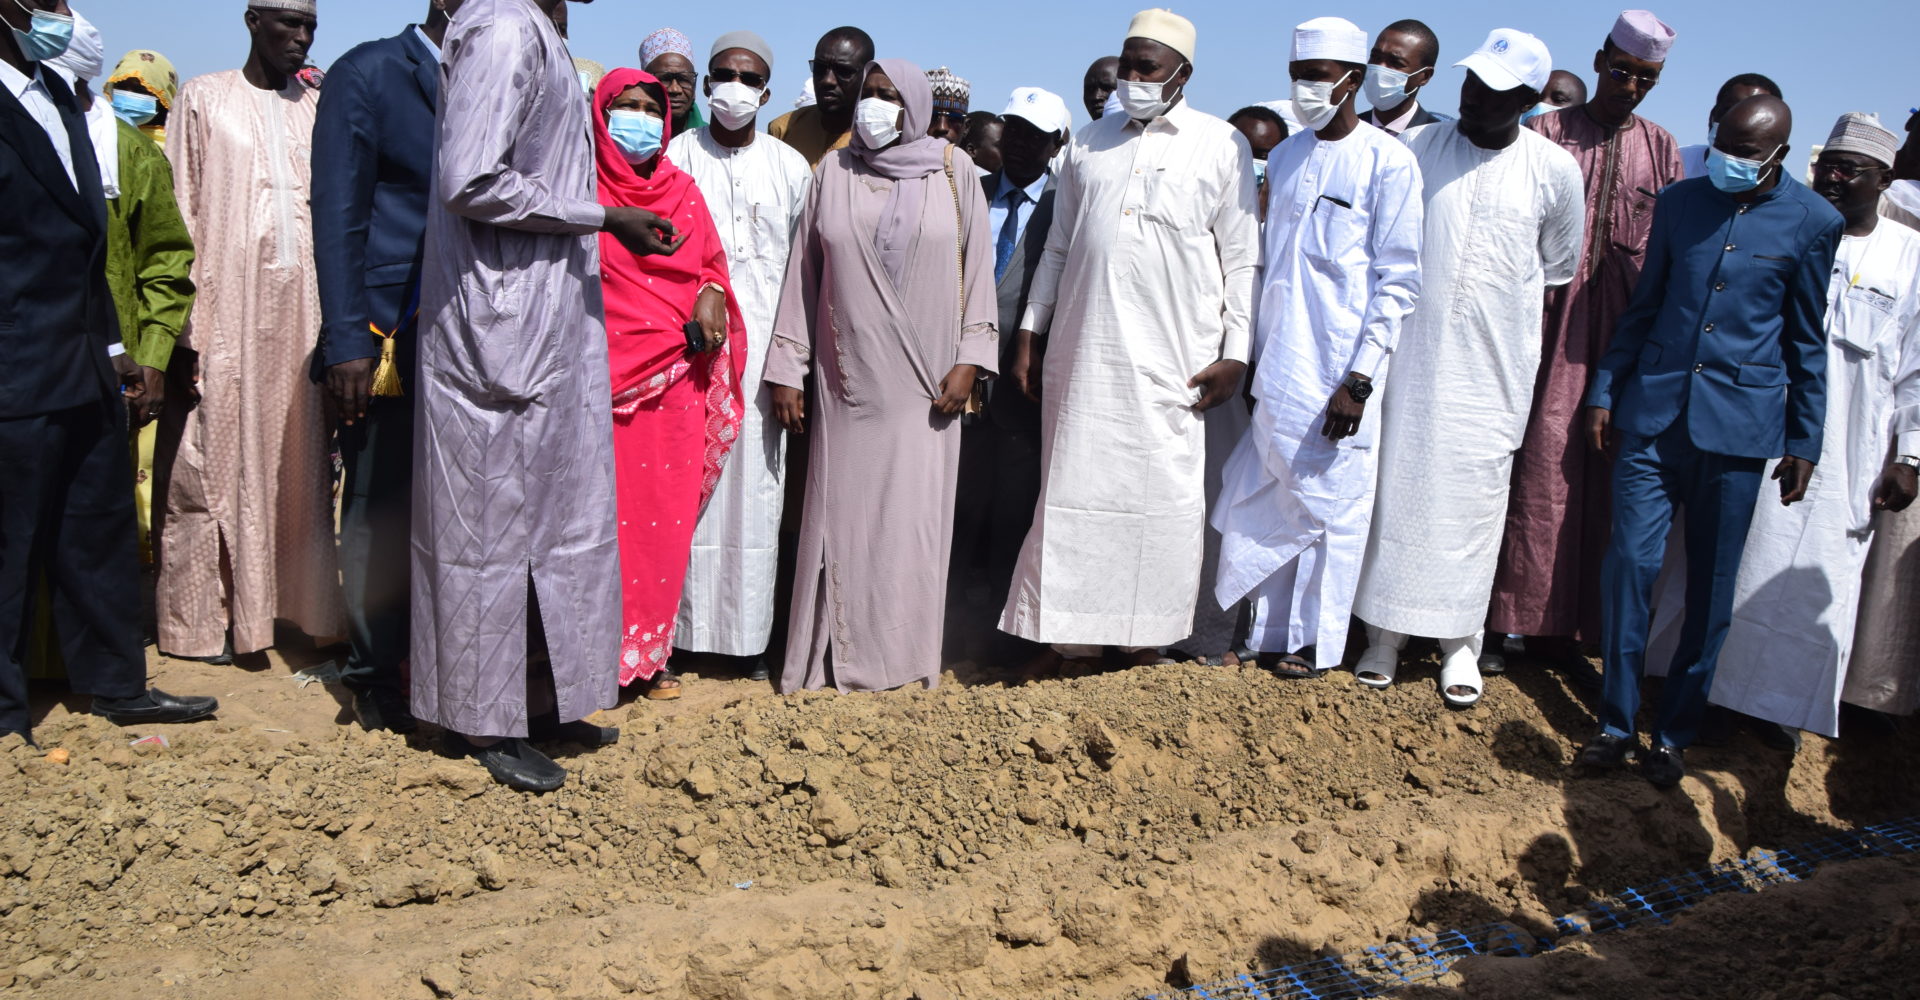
(1342, 271)
(1504, 211)
(755, 186)
(1797, 598)
(1144, 295)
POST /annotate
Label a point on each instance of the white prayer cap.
(297, 6)
(1643, 36)
(1041, 108)
(1860, 132)
(1333, 38)
(86, 56)
(1167, 28)
(1509, 59)
(744, 40)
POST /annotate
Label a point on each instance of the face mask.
(586, 82)
(135, 109)
(1538, 110)
(1313, 102)
(1113, 105)
(1259, 171)
(48, 38)
(877, 121)
(1733, 174)
(733, 104)
(1143, 102)
(1384, 87)
(636, 133)
(1713, 132)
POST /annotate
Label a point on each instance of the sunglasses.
(724, 75)
(1623, 75)
(953, 117)
(685, 80)
(1844, 171)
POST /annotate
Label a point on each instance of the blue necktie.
(1009, 235)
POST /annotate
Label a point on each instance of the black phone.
(696, 337)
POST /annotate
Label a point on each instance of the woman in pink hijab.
(889, 305)
(677, 345)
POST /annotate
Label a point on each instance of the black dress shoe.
(1663, 767)
(1775, 736)
(1605, 753)
(381, 709)
(512, 762)
(757, 670)
(582, 732)
(155, 706)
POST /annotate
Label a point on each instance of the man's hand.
(1217, 383)
(145, 392)
(1600, 430)
(1024, 368)
(1794, 475)
(790, 408)
(1343, 415)
(710, 311)
(350, 383)
(956, 389)
(641, 231)
(1896, 488)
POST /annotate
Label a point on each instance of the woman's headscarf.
(151, 70)
(913, 163)
(650, 299)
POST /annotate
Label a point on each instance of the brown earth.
(1090, 836)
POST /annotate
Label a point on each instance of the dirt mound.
(1090, 836)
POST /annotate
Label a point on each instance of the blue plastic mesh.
(1379, 970)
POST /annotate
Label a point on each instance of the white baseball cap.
(1043, 109)
(1509, 59)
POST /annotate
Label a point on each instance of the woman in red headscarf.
(677, 407)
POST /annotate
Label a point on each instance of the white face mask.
(1384, 87)
(1313, 102)
(734, 104)
(877, 121)
(1144, 102)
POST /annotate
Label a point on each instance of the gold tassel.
(386, 376)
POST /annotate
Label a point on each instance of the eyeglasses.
(839, 71)
(725, 75)
(685, 80)
(1842, 169)
(953, 117)
(1623, 75)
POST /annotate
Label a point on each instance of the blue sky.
(1853, 58)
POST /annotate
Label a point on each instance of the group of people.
(616, 378)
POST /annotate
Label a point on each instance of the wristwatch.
(1358, 386)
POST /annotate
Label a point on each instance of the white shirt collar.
(1033, 191)
(18, 82)
(428, 42)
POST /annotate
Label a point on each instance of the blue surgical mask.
(1538, 110)
(49, 36)
(1713, 132)
(637, 133)
(1735, 175)
(135, 109)
(1259, 171)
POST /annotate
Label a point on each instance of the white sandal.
(1461, 669)
(1382, 661)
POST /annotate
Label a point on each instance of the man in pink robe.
(1557, 518)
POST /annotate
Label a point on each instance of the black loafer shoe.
(583, 732)
(513, 763)
(1663, 767)
(1775, 736)
(380, 709)
(155, 706)
(1605, 753)
(757, 670)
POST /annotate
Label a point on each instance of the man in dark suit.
(66, 491)
(372, 163)
(1402, 61)
(1718, 364)
(1000, 449)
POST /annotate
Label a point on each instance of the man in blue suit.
(1718, 365)
(372, 163)
(66, 477)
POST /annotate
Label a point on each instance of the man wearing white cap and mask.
(1504, 220)
(1799, 591)
(1548, 581)
(755, 186)
(247, 534)
(1144, 299)
(1342, 271)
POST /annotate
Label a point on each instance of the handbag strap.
(959, 232)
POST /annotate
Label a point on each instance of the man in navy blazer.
(1718, 365)
(66, 477)
(372, 163)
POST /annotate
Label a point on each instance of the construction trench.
(1112, 836)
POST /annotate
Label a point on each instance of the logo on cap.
(1500, 46)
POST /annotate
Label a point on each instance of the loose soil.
(1098, 835)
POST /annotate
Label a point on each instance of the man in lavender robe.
(513, 511)
(1557, 518)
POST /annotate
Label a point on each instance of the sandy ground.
(1102, 835)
